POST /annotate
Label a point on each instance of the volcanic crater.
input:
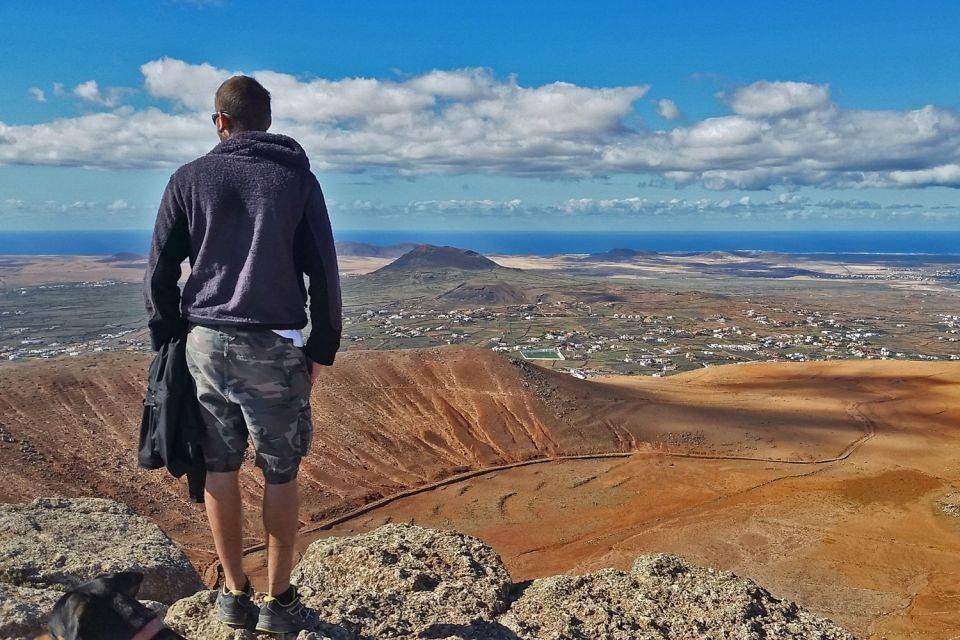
(823, 481)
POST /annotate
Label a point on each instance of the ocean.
(539, 242)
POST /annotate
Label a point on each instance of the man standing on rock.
(251, 218)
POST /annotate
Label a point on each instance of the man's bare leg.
(225, 512)
(280, 523)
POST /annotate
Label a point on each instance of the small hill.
(619, 254)
(367, 250)
(720, 255)
(428, 257)
(485, 293)
(124, 256)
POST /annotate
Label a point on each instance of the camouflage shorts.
(251, 381)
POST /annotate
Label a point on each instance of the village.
(567, 334)
(585, 342)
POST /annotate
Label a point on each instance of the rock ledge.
(51, 545)
(404, 581)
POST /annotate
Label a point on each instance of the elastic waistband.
(216, 323)
(228, 329)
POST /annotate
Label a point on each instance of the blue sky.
(442, 115)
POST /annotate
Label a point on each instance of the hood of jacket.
(260, 144)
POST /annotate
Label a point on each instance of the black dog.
(106, 608)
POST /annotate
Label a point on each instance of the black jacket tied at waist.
(171, 430)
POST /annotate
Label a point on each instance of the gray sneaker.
(236, 608)
(289, 618)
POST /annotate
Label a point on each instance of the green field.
(541, 354)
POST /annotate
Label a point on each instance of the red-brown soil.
(820, 480)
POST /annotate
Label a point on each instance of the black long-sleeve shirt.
(251, 218)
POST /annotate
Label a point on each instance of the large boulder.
(24, 611)
(662, 598)
(59, 543)
(403, 581)
(398, 581)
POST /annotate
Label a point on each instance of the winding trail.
(212, 571)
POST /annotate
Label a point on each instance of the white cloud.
(773, 209)
(779, 98)
(189, 85)
(469, 121)
(423, 106)
(472, 207)
(37, 94)
(824, 147)
(946, 174)
(90, 91)
(123, 138)
(76, 207)
(776, 209)
(465, 84)
(668, 109)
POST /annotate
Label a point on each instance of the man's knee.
(279, 472)
(220, 481)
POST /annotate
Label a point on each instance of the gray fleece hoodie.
(251, 218)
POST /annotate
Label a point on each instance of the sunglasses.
(214, 116)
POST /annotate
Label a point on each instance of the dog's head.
(106, 608)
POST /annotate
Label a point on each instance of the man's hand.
(314, 371)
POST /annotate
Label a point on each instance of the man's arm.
(317, 258)
(170, 246)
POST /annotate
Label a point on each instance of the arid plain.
(833, 483)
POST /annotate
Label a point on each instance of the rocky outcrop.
(63, 542)
(54, 544)
(404, 581)
(398, 581)
(663, 597)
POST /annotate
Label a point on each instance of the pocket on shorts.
(258, 345)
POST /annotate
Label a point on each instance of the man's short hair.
(246, 103)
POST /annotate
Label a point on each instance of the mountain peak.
(427, 257)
